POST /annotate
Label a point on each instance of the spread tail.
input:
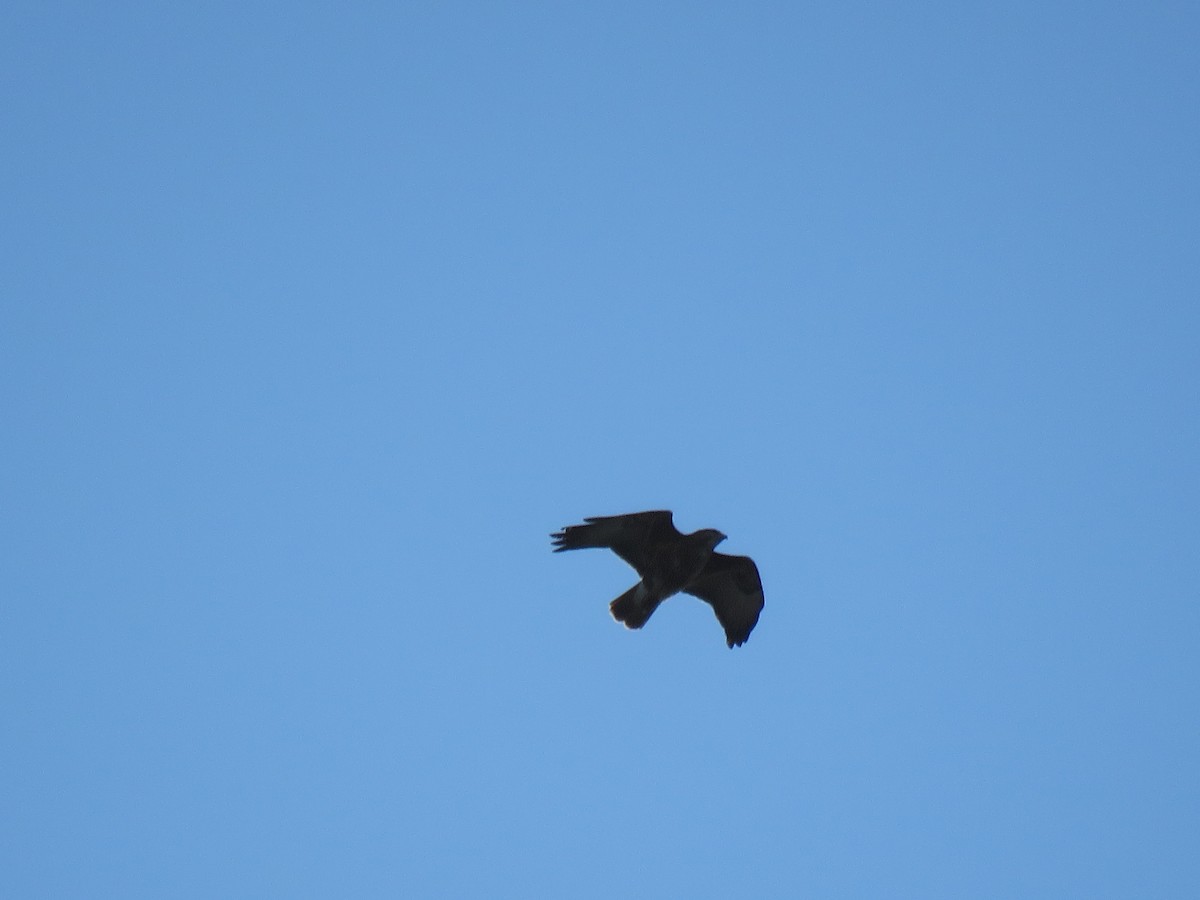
(634, 607)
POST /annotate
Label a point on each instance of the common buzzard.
(670, 562)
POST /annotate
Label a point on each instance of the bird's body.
(669, 563)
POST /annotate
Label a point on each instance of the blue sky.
(317, 319)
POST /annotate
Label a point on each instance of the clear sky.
(317, 318)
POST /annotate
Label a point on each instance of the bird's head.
(712, 537)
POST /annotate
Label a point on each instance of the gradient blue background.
(318, 318)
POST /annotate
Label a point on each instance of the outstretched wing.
(730, 584)
(634, 537)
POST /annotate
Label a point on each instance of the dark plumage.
(670, 562)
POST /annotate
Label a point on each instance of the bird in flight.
(670, 562)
